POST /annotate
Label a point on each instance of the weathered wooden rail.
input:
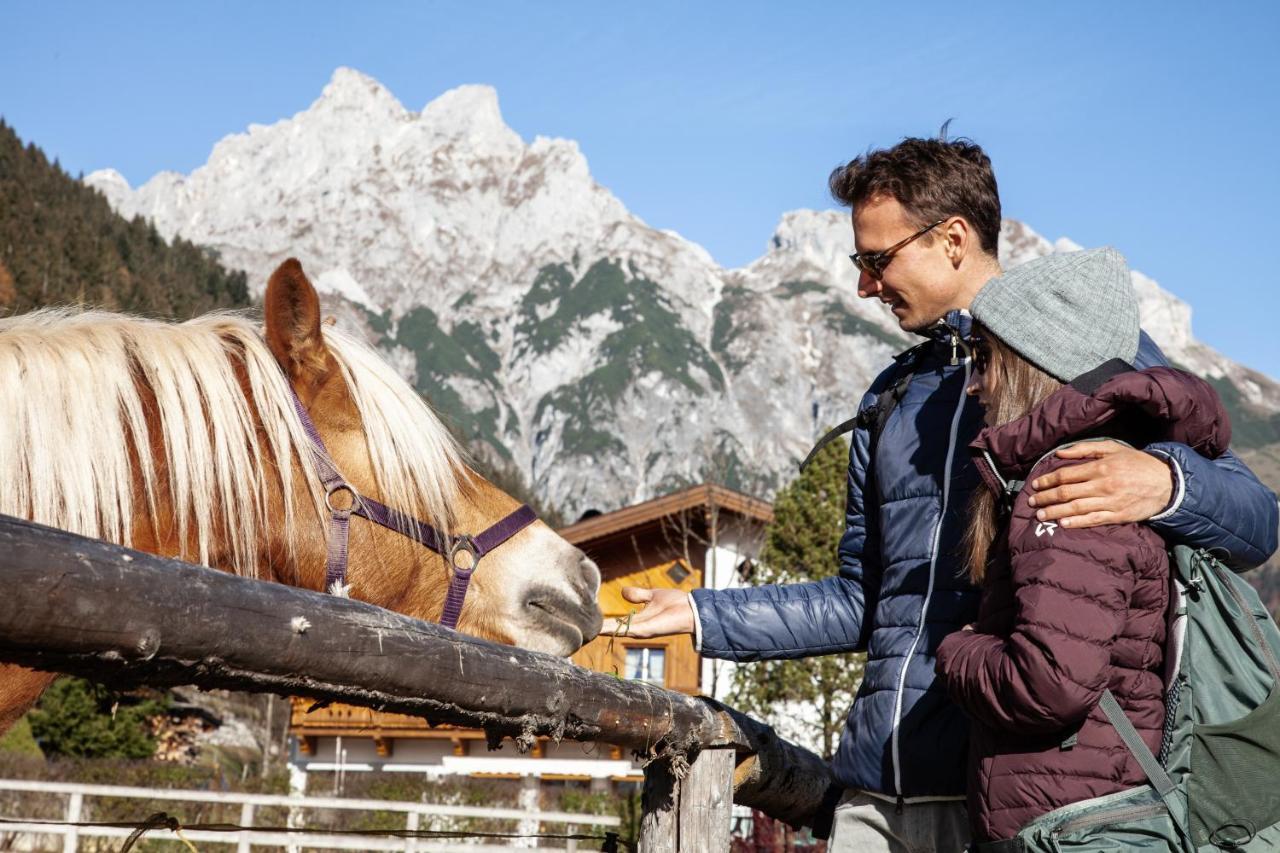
(125, 618)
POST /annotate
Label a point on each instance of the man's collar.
(958, 322)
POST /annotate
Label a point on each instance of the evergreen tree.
(800, 545)
(78, 720)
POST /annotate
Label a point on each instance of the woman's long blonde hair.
(1018, 387)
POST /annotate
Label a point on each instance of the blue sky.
(1152, 127)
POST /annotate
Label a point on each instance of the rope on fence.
(159, 820)
(610, 841)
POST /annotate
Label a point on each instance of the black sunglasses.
(874, 263)
(980, 350)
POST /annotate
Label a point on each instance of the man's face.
(920, 284)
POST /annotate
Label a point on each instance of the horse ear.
(292, 313)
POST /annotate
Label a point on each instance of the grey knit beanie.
(1066, 313)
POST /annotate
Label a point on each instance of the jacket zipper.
(995, 470)
(1272, 663)
(956, 345)
(1102, 818)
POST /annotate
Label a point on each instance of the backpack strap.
(1155, 774)
(875, 416)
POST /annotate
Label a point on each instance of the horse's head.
(535, 590)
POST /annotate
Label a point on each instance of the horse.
(262, 448)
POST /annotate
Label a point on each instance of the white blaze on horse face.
(550, 592)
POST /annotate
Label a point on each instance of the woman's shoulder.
(1106, 541)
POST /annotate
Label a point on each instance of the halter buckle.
(341, 487)
(467, 545)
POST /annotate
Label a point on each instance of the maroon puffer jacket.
(1067, 613)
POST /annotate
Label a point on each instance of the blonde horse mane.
(87, 395)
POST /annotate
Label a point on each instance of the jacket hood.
(1137, 406)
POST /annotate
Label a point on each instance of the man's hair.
(932, 179)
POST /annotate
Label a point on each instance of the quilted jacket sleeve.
(1218, 504)
(780, 621)
(1071, 594)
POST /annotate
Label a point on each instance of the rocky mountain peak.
(469, 113)
(823, 235)
(351, 93)
(111, 184)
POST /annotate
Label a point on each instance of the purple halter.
(335, 580)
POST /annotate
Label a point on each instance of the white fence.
(524, 820)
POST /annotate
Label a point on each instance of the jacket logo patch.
(1043, 527)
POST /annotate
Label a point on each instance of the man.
(926, 218)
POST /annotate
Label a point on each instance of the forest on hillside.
(62, 244)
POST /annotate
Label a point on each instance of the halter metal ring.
(341, 487)
(465, 544)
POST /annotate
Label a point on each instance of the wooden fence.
(125, 619)
(416, 816)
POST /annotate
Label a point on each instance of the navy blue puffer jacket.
(901, 587)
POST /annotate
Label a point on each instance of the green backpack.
(1216, 783)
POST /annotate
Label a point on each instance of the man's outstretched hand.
(666, 611)
(1117, 485)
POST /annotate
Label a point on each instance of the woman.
(1066, 613)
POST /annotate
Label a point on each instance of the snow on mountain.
(606, 360)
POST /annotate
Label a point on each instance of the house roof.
(702, 497)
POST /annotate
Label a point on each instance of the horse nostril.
(590, 576)
(592, 629)
(583, 614)
(553, 605)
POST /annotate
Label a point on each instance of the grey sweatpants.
(867, 824)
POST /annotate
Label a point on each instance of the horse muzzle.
(569, 615)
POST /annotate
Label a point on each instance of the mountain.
(61, 243)
(604, 360)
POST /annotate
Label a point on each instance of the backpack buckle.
(1195, 583)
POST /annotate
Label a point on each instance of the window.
(647, 665)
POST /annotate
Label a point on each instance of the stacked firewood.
(176, 734)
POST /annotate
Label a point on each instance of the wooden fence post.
(412, 823)
(693, 814)
(659, 801)
(75, 804)
(246, 819)
(706, 802)
(530, 794)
